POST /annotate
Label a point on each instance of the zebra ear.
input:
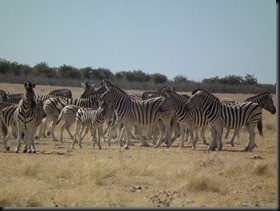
(33, 85)
(83, 84)
(271, 95)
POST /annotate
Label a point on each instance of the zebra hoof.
(126, 147)
(8, 148)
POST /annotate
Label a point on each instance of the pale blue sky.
(196, 39)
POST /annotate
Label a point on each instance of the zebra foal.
(221, 115)
(93, 119)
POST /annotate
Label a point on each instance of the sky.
(196, 39)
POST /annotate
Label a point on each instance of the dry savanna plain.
(140, 177)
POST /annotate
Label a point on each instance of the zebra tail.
(260, 127)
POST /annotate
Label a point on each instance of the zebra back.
(14, 98)
(61, 93)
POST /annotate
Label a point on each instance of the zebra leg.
(85, 133)
(227, 134)
(74, 140)
(161, 133)
(31, 140)
(100, 134)
(93, 135)
(4, 132)
(251, 142)
(139, 134)
(20, 131)
(155, 131)
(213, 143)
(192, 137)
(236, 131)
(127, 128)
(121, 136)
(42, 129)
(182, 136)
(53, 125)
(220, 137)
(80, 136)
(202, 134)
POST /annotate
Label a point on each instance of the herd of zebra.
(109, 112)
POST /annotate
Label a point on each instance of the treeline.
(67, 75)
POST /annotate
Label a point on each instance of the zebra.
(93, 119)
(138, 112)
(61, 93)
(87, 89)
(3, 131)
(174, 121)
(54, 105)
(222, 115)
(7, 114)
(68, 113)
(265, 101)
(191, 119)
(14, 98)
(28, 116)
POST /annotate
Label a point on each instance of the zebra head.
(29, 94)
(3, 95)
(268, 105)
(87, 89)
(195, 100)
(167, 89)
(107, 84)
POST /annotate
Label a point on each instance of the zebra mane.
(196, 90)
(166, 88)
(267, 94)
(109, 85)
(206, 93)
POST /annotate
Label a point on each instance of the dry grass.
(58, 176)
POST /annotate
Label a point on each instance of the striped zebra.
(28, 116)
(87, 89)
(8, 119)
(139, 112)
(174, 121)
(3, 131)
(94, 120)
(266, 102)
(54, 105)
(191, 120)
(61, 93)
(222, 115)
(15, 98)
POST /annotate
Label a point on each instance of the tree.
(232, 80)
(158, 78)
(44, 70)
(250, 79)
(67, 71)
(180, 79)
